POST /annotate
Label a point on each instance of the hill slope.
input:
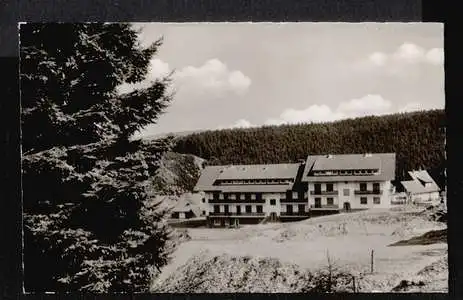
(418, 139)
(177, 174)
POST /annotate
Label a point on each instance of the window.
(216, 208)
(376, 200)
(247, 197)
(259, 208)
(204, 200)
(289, 209)
(273, 202)
(259, 196)
(288, 195)
(301, 208)
(329, 201)
(329, 187)
(204, 212)
(376, 187)
(363, 186)
(248, 209)
(346, 192)
(238, 209)
(363, 200)
(318, 188)
(318, 202)
(217, 222)
(225, 207)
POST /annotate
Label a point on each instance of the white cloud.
(412, 106)
(212, 78)
(158, 69)
(242, 123)
(435, 56)
(410, 53)
(367, 105)
(405, 54)
(378, 58)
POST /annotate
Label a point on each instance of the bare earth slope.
(348, 239)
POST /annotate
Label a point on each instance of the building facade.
(421, 189)
(249, 194)
(246, 194)
(349, 181)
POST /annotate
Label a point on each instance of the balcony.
(294, 214)
(373, 192)
(234, 214)
(323, 192)
(294, 200)
(324, 207)
(217, 201)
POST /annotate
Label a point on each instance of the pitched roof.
(206, 180)
(182, 206)
(422, 175)
(245, 172)
(385, 162)
(417, 185)
(185, 204)
(271, 171)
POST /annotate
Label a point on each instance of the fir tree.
(88, 223)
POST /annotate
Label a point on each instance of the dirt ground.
(347, 238)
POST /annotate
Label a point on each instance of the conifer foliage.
(417, 138)
(88, 224)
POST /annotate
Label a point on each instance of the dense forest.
(418, 139)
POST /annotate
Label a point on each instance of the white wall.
(354, 200)
(431, 198)
(271, 208)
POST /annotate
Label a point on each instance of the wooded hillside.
(418, 138)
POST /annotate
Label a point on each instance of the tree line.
(417, 138)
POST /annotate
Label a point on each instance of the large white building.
(240, 194)
(244, 194)
(350, 181)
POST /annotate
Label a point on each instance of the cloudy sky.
(250, 74)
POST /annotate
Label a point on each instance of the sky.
(228, 75)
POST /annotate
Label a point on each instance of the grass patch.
(431, 237)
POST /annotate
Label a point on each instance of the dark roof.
(272, 171)
(347, 162)
(385, 162)
(245, 172)
(206, 180)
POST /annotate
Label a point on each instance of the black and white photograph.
(304, 157)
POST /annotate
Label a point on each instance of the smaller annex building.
(185, 209)
(421, 189)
